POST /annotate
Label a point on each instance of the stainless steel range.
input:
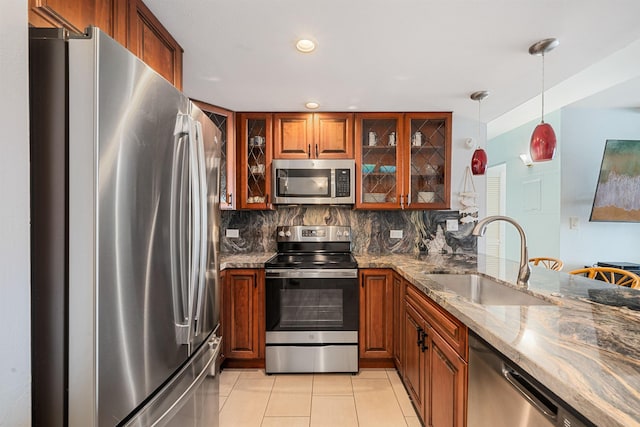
(312, 301)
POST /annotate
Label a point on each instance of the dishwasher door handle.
(528, 391)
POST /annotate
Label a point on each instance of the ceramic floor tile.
(413, 421)
(333, 411)
(253, 373)
(289, 404)
(401, 394)
(293, 383)
(246, 403)
(376, 403)
(227, 381)
(285, 422)
(371, 373)
(332, 384)
(221, 402)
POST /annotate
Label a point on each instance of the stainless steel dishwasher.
(502, 396)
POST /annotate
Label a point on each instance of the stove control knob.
(281, 233)
(339, 234)
(287, 233)
(346, 233)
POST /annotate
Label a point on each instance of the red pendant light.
(543, 140)
(479, 158)
(479, 162)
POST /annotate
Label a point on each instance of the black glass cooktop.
(312, 260)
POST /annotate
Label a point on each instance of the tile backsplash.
(422, 230)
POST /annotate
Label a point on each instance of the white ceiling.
(406, 55)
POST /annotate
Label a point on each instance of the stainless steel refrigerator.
(125, 241)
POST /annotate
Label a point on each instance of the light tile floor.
(374, 397)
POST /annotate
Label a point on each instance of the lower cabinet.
(375, 334)
(434, 374)
(399, 284)
(243, 317)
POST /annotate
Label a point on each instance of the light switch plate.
(232, 233)
(574, 222)
(396, 234)
(452, 225)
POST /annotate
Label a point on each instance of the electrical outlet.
(232, 233)
(452, 225)
(396, 234)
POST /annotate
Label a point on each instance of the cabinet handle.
(255, 280)
(309, 151)
(423, 343)
(316, 151)
(420, 335)
(362, 280)
(230, 198)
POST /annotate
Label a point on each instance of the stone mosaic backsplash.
(423, 231)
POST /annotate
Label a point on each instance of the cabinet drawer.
(453, 331)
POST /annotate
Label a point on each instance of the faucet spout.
(524, 271)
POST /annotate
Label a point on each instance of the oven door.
(301, 300)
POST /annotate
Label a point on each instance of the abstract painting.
(618, 191)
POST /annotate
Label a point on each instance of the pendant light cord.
(542, 118)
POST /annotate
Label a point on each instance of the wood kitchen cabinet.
(435, 361)
(254, 144)
(399, 284)
(376, 318)
(313, 136)
(129, 22)
(76, 15)
(152, 43)
(243, 316)
(404, 160)
(225, 121)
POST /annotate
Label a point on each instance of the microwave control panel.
(343, 182)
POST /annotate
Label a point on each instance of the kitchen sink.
(485, 291)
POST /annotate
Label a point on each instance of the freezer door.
(191, 399)
(131, 232)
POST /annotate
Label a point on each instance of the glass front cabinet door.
(378, 160)
(254, 142)
(224, 120)
(428, 160)
(403, 160)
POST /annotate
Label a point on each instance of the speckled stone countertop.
(585, 352)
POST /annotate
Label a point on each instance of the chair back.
(548, 262)
(610, 275)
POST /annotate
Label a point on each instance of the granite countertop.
(585, 352)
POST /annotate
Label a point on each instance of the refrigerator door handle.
(179, 251)
(196, 223)
(199, 142)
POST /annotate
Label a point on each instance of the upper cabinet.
(404, 160)
(76, 15)
(254, 160)
(225, 121)
(152, 43)
(129, 22)
(313, 135)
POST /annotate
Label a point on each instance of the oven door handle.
(310, 273)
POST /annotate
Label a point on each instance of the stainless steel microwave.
(313, 182)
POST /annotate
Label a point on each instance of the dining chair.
(610, 275)
(548, 262)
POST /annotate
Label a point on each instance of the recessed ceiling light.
(305, 45)
(312, 105)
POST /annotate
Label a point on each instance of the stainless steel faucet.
(525, 271)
